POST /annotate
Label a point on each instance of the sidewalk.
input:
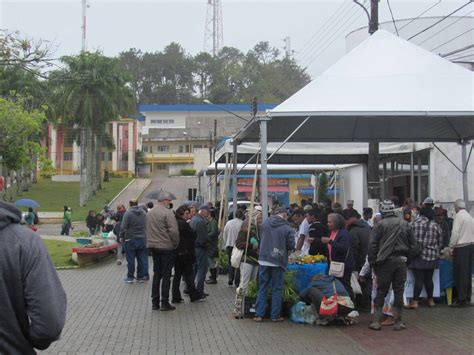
(106, 315)
(132, 191)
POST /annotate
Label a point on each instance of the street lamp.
(206, 101)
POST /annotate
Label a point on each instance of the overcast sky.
(115, 26)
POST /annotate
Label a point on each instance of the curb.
(146, 186)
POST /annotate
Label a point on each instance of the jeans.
(135, 249)
(183, 267)
(234, 274)
(393, 271)
(163, 261)
(202, 262)
(269, 277)
(423, 277)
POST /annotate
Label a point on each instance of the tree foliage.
(172, 76)
(322, 187)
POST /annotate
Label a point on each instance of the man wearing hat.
(162, 240)
(276, 243)
(428, 202)
(392, 244)
(349, 212)
(199, 225)
(462, 248)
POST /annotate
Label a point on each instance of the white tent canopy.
(386, 89)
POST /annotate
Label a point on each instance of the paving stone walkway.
(107, 316)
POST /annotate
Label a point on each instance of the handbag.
(336, 268)
(236, 257)
(329, 306)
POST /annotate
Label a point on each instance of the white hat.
(387, 206)
(307, 208)
(460, 204)
(350, 202)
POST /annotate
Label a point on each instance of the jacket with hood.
(276, 241)
(162, 228)
(33, 301)
(133, 224)
(360, 239)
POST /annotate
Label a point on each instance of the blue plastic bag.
(302, 314)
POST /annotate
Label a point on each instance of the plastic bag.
(355, 283)
(302, 314)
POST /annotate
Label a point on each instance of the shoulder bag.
(236, 257)
(336, 268)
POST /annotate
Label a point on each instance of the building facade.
(65, 153)
(183, 137)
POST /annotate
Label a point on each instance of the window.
(162, 122)
(197, 146)
(161, 166)
(126, 134)
(145, 149)
(67, 156)
(181, 148)
(102, 156)
(163, 148)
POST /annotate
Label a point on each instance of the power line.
(393, 19)
(456, 51)
(343, 15)
(421, 14)
(441, 20)
(334, 38)
(451, 24)
(318, 32)
(452, 39)
(462, 57)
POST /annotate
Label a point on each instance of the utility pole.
(373, 182)
(84, 24)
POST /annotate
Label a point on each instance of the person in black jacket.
(316, 231)
(391, 246)
(360, 232)
(183, 266)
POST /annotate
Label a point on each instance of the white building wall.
(353, 182)
(54, 135)
(446, 182)
(201, 159)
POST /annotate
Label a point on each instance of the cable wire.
(451, 24)
(452, 39)
(421, 14)
(316, 44)
(437, 22)
(318, 32)
(393, 19)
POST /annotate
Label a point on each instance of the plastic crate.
(84, 241)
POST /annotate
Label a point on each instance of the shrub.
(188, 172)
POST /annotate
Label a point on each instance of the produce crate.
(84, 241)
(249, 307)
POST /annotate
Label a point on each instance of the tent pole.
(412, 176)
(419, 180)
(234, 176)
(263, 169)
(465, 188)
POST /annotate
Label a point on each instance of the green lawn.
(52, 196)
(60, 252)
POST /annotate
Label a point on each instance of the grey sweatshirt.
(133, 224)
(33, 301)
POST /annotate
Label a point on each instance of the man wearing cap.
(132, 237)
(462, 246)
(162, 240)
(349, 212)
(276, 243)
(392, 244)
(199, 225)
(428, 202)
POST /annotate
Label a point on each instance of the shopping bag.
(355, 283)
(236, 257)
(302, 314)
(328, 307)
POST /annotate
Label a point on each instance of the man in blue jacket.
(276, 242)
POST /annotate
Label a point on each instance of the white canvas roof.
(387, 90)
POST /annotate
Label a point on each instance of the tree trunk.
(98, 162)
(83, 169)
(90, 163)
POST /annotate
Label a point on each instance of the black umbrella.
(161, 195)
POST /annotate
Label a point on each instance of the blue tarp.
(305, 272)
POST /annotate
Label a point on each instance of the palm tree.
(93, 90)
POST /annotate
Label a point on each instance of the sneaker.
(140, 281)
(128, 280)
(146, 278)
(178, 301)
(199, 299)
(119, 262)
(211, 282)
(155, 307)
(167, 307)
